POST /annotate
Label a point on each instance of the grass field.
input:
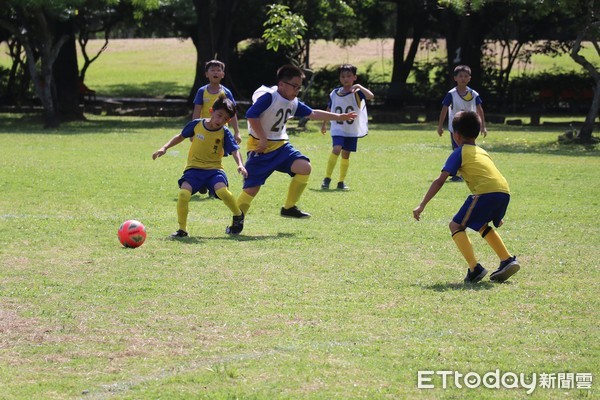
(349, 304)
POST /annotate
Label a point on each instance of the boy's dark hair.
(467, 124)
(214, 63)
(289, 71)
(462, 68)
(223, 103)
(347, 68)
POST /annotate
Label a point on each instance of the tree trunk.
(211, 39)
(585, 134)
(66, 75)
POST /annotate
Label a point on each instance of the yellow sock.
(344, 164)
(466, 248)
(295, 190)
(183, 202)
(331, 164)
(227, 198)
(244, 201)
(496, 243)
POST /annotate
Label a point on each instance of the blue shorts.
(261, 166)
(347, 143)
(204, 178)
(480, 209)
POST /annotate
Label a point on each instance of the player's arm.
(175, 140)
(368, 94)
(329, 116)
(443, 114)
(482, 117)
(236, 129)
(324, 126)
(240, 163)
(197, 111)
(435, 187)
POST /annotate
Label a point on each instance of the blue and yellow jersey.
(477, 168)
(208, 147)
(206, 99)
(273, 111)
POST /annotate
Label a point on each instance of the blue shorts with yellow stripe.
(261, 165)
(203, 178)
(480, 209)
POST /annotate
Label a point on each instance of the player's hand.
(417, 212)
(440, 131)
(484, 132)
(158, 153)
(237, 137)
(348, 116)
(323, 129)
(242, 171)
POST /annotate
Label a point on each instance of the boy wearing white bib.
(348, 97)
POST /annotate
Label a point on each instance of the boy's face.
(214, 74)
(462, 78)
(289, 89)
(347, 78)
(218, 119)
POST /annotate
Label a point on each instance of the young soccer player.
(488, 203)
(214, 70)
(212, 141)
(460, 98)
(349, 97)
(268, 147)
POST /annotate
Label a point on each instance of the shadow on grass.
(446, 287)
(33, 124)
(333, 190)
(225, 237)
(551, 148)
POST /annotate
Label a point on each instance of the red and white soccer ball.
(132, 233)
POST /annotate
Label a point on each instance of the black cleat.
(342, 186)
(507, 268)
(293, 212)
(237, 226)
(476, 275)
(325, 184)
(179, 234)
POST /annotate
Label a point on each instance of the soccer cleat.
(325, 184)
(476, 275)
(203, 190)
(507, 268)
(237, 226)
(342, 186)
(179, 234)
(293, 212)
(456, 178)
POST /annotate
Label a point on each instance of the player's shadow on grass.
(451, 286)
(327, 191)
(249, 238)
(198, 198)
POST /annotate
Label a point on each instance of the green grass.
(348, 304)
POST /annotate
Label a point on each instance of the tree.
(591, 32)
(43, 28)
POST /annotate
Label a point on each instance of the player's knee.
(454, 227)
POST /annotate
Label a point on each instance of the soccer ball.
(132, 233)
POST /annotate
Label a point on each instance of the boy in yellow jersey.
(214, 70)
(488, 203)
(351, 96)
(269, 149)
(212, 141)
